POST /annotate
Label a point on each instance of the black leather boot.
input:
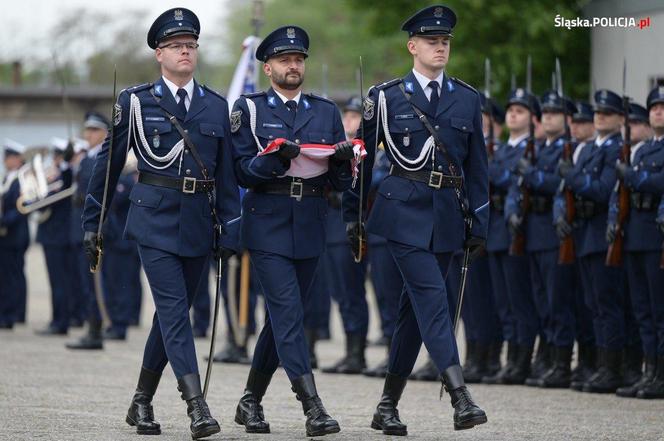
(609, 378)
(655, 388)
(249, 412)
(353, 362)
(632, 366)
(386, 417)
(542, 363)
(90, 341)
(648, 375)
(379, 371)
(522, 367)
(585, 366)
(479, 366)
(319, 422)
(202, 423)
(428, 372)
(500, 376)
(467, 414)
(559, 376)
(140, 413)
(493, 358)
(232, 353)
(471, 356)
(312, 337)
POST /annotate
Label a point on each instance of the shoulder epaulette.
(320, 98)
(213, 92)
(466, 85)
(138, 88)
(253, 94)
(388, 84)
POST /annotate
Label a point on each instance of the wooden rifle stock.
(566, 252)
(518, 244)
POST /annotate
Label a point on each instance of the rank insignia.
(236, 120)
(409, 87)
(117, 114)
(368, 108)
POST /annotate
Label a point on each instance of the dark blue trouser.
(120, 268)
(345, 280)
(553, 292)
(388, 285)
(22, 303)
(583, 318)
(84, 303)
(9, 284)
(60, 271)
(603, 288)
(424, 313)
(202, 303)
(285, 283)
(646, 288)
(318, 304)
(480, 319)
(174, 282)
(510, 279)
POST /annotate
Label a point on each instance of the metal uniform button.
(440, 168)
(297, 141)
(436, 127)
(188, 171)
(186, 151)
(186, 130)
(323, 140)
(139, 201)
(270, 136)
(463, 127)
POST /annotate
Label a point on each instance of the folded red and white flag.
(313, 158)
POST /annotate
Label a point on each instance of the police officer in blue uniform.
(482, 329)
(14, 236)
(345, 277)
(284, 215)
(553, 284)
(180, 133)
(643, 240)
(510, 277)
(95, 129)
(420, 207)
(592, 178)
(122, 263)
(53, 235)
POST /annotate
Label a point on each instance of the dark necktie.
(433, 101)
(292, 109)
(182, 94)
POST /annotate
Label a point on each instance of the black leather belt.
(586, 208)
(541, 204)
(433, 179)
(185, 185)
(497, 201)
(295, 189)
(644, 201)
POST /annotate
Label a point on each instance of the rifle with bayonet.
(614, 255)
(566, 253)
(490, 145)
(518, 243)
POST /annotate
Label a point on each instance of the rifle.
(566, 253)
(614, 255)
(518, 244)
(359, 253)
(487, 95)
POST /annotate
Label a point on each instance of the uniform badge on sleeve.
(236, 120)
(368, 108)
(117, 114)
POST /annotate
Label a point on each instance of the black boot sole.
(470, 423)
(249, 429)
(132, 423)
(328, 431)
(206, 431)
(393, 432)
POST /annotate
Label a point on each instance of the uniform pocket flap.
(145, 197)
(216, 130)
(465, 125)
(157, 128)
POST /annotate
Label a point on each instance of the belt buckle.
(296, 190)
(435, 180)
(189, 185)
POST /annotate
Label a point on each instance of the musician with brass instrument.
(14, 239)
(643, 238)
(52, 234)
(510, 275)
(592, 179)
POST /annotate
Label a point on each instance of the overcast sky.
(27, 23)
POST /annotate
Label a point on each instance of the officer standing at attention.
(14, 236)
(592, 178)
(180, 133)
(283, 225)
(431, 127)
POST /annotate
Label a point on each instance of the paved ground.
(49, 393)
